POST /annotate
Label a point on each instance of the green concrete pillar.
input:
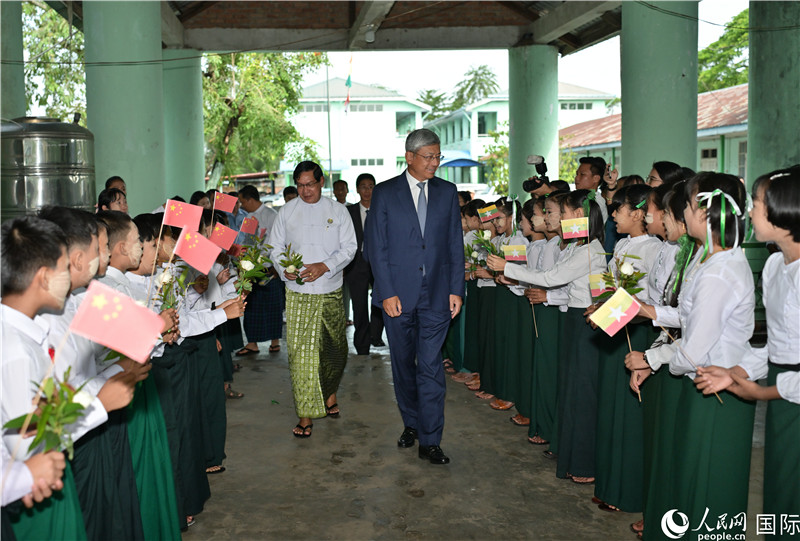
(12, 76)
(183, 122)
(658, 54)
(532, 111)
(124, 102)
(774, 98)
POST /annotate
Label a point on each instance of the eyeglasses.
(431, 157)
(306, 186)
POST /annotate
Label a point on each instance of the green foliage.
(437, 101)
(247, 98)
(54, 75)
(724, 63)
(496, 159)
(477, 84)
(567, 161)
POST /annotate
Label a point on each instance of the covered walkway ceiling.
(404, 25)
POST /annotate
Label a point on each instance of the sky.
(599, 63)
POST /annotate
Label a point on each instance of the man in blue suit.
(414, 245)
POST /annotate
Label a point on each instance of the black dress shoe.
(433, 453)
(378, 343)
(407, 438)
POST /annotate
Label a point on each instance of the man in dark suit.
(414, 245)
(358, 276)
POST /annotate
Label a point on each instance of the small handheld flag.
(222, 236)
(616, 312)
(224, 202)
(235, 250)
(114, 320)
(488, 213)
(249, 226)
(598, 285)
(575, 228)
(182, 215)
(196, 250)
(515, 252)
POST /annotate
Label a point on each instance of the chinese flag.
(616, 312)
(222, 236)
(114, 320)
(575, 228)
(182, 215)
(196, 250)
(249, 226)
(224, 202)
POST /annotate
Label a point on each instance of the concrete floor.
(351, 481)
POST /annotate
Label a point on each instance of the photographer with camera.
(540, 185)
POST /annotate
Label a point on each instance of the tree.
(724, 63)
(567, 161)
(54, 75)
(496, 159)
(477, 84)
(436, 100)
(247, 98)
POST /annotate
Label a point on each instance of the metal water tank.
(45, 162)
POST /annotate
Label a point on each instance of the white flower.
(626, 269)
(166, 278)
(83, 398)
(487, 235)
(474, 255)
(248, 265)
(291, 269)
(261, 259)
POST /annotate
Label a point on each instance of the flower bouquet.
(483, 240)
(626, 277)
(473, 258)
(171, 288)
(251, 265)
(292, 262)
(59, 406)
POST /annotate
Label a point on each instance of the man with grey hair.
(413, 243)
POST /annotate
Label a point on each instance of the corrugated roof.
(338, 90)
(715, 109)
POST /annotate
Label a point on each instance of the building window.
(573, 106)
(709, 153)
(353, 162)
(581, 105)
(589, 105)
(708, 159)
(362, 161)
(371, 161)
(379, 161)
(564, 106)
(487, 122)
(742, 159)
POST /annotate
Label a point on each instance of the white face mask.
(136, 254)
(94, 264)
(648, 218)
(537, 221)
(58, 286)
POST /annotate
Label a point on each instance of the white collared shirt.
(413, 185)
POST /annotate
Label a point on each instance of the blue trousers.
(415, 344)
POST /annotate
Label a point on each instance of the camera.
(535, 183)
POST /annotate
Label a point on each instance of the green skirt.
(782, 455)
(710, 460)
(225, 355)
(152, 465)
(213, 416)
(544, 377)
(504, 359)
(577, 396)
(472, 310)
(619, 458)
(485, 339)
(520, 354)
(57, 517)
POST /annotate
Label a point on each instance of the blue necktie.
(422, 207)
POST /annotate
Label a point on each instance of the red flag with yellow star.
(182, 215)
(196, 250)
(224, 202)
(249, 226)
(222, 236)
(116, 321)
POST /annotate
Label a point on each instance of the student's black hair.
(635, 196)
(211, 193)
(289, 190)
(206, 218)
(559, 185)
(78, 226)
(249, 192)
(465, 195)
(148, 225)
(111, 180)
(675, 201)
(708, 182)
(196, 197)
(364, 176)
(506, 206)
(27, 244)
(306, 166)
(179, 198)
(574, 200)
(118, 224)
(780, 192)
(670, 172)
(657, 194)
(108, 196)
(596, 164)
(220, 217)
(471, 208)
(527, 208)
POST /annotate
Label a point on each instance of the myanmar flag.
(515, 252)
(575, 228)
(488, 213)
(597, 284)
(616, 312)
